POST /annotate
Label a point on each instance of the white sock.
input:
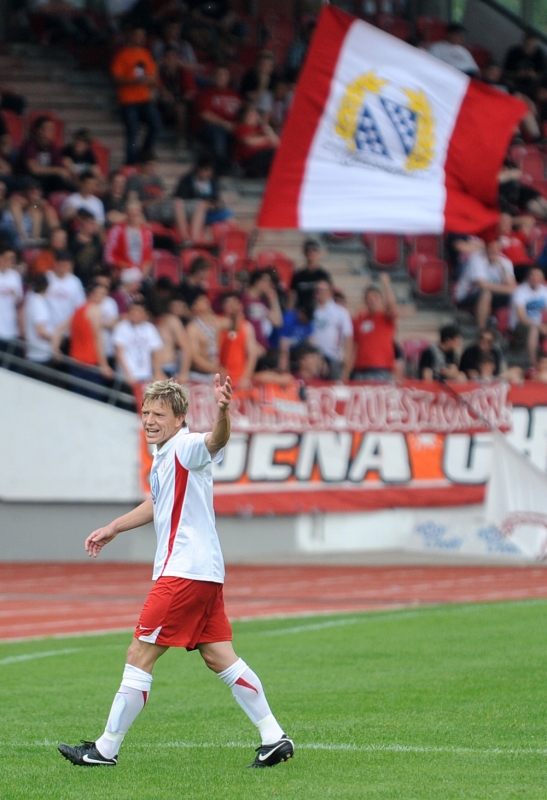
(128, 703)
(248, 692)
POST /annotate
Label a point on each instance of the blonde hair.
(169, 393)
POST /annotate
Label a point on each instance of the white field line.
(340, 747)
(51, 654)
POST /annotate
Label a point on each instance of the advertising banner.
(360, 447)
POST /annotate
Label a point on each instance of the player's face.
(159, 423)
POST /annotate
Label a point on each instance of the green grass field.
(444, 702)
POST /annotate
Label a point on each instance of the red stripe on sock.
(145, 697)
(241, 682)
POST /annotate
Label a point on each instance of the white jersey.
(181, 480)
(11, 294)
(137, 342)
(37, 313)
(64, 295)
(332, 325)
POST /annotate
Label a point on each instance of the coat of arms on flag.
(386, 126)
(382, 136)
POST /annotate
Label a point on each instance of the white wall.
(58, 446)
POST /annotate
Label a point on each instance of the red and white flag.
(385, 137)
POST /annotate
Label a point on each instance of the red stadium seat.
(540, 186)
(281, 264)
(412, 350)
(233, 246)
(102, 154)
(481, 55)
(15, 126)
(533, 163)
(59, 124)
(431, 29)
(503, 319)
(166, 265)
(431, 278)
(429, 244)
(56, 199)
(414, 260)
(384, 250)
(189, 256)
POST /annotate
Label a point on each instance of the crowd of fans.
(78, 247)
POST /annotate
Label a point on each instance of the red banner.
(353, 447)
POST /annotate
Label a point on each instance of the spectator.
(203, 332)
(439, 362)
(310, 364)
(149, 188)
(67, 20)
(452, 50)
(176, 356)
(109, 316)
(138, 346)
(129, 244)
(281, 103)
(86, 343)
(171, 39)
(11, 297)
(39, 327)
(296, 331)
(525, 66)
(261, 306)
(257, 84)
(486, 343)
(177, 92)
(197, 201)
(79, 158)
(215, 28)
(305, 279)
(270, 370)
(486, 367)
(46, 258)
(374, 333)
(218, 107)
(42, 159)
(540, 373)
(487, 283)
(65, 291)
(256, 143)
(196, 278)
(86, 245)
(9, 158)
(459, 247)
(129, 289)
(514, 239)
(528, 311)
(135, 74)
(332, 332)
(116, 199)
(514, 196)
(86, 198)
(237, 347)
(29, 218)
(297, 51)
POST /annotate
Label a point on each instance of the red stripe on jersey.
(241, 682)
(181, 482)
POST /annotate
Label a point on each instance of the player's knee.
(211, 660)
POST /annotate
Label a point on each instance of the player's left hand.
(222, 392)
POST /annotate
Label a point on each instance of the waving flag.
(385, 137)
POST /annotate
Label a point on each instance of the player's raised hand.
(222, 392)
(97, 540)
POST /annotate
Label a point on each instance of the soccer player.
(185, 608)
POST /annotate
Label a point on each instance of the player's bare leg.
(249, 694)
(129, 701)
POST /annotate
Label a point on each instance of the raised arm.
(220, 434)
(139, 516)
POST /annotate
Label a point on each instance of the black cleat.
(86, 755)
(268, 755)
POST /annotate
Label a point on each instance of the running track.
(48, 599)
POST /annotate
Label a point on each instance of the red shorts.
(180, 612)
